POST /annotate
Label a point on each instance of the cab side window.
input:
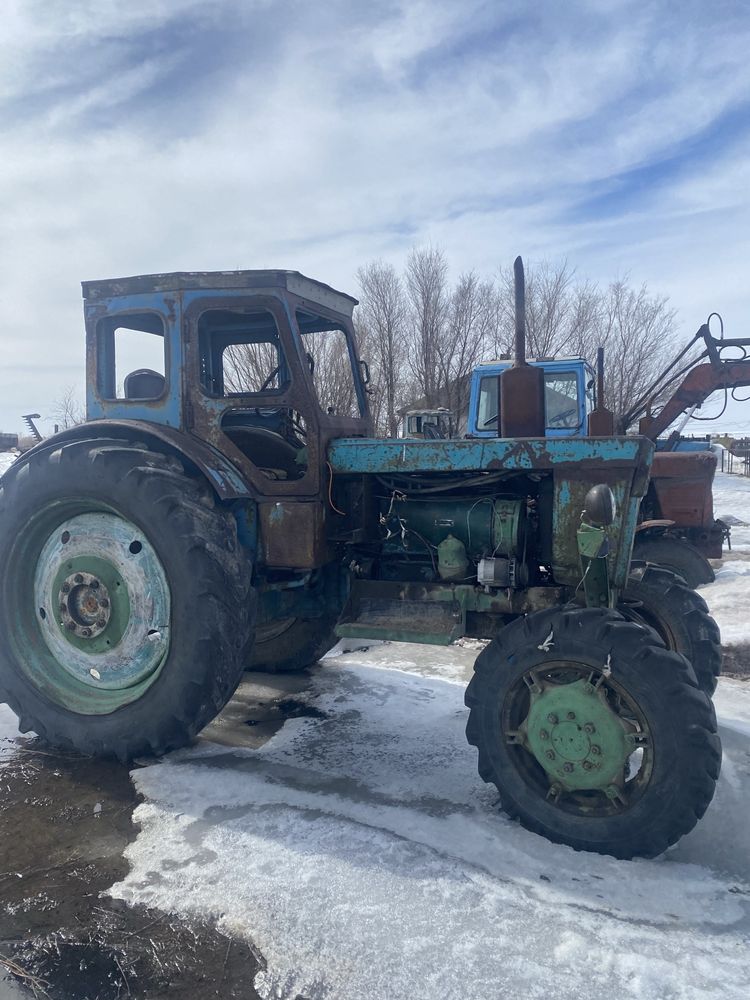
(132, 356)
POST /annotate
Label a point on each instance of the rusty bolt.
(571, 715)
(552, 718)
(66, 588)
(589, 728)
(567, 768)
(78, 578)
(587, 765)
(596, 749)
(550, 755)
(543, 735)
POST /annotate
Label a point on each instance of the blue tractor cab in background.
(568, 396)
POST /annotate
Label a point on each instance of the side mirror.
(600, 507)
(365, 371)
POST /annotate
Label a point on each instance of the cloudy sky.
(155, 135)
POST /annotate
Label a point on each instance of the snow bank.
(365, 858)
(732, 500)
(6, 460)
(8, 733)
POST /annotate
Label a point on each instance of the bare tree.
(381, 321)
(469, 327)
(637, 332)
(427, 295)
(68, 411)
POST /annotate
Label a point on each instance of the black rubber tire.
(206, 570)
(677, 555)
(661, 599)
(686, 754)
(295, 649)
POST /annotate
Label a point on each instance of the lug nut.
(86, 632)
(587, 765)
(104, 603)
(543, 735)
(552, 718)
(567, 768)
(78, 578)
(571, 715)
(596, 749)
(550, 755)
(101, 623)
(589, 728)
(66, 588)
(94, 584)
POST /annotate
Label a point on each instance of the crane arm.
(695, 388)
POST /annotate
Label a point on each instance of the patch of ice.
(365, 858)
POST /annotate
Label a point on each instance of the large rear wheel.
(124, 599)
(594, 734)
(291, 645)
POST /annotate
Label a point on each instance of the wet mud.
(65, 821)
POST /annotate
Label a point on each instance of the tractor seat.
(267, 449)
(144, 383)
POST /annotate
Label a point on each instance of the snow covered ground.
(728, 597)
(7, 458)
(365, 858)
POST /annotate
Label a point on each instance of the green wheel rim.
(93, 607)
(579, 738)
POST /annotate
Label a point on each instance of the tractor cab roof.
(217, 281)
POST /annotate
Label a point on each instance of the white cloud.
(324, 137)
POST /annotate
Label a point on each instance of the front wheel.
(125, 604)
(676, 555)
(662, 600)
(594, 734)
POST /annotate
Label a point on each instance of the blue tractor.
(225, 507)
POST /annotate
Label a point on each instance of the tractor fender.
(224, 478)
(655, 527)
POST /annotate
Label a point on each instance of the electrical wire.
(334, 508)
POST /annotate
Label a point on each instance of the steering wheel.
(270, 378)
(560, 418)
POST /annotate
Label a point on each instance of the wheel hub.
(102, 606)
(576, 737)
(84, 604)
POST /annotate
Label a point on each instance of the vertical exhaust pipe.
(601, 420)
(520, 389)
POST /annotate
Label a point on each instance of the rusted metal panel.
(226, 480)
(293, 534)
(682, 484)
(358, 455)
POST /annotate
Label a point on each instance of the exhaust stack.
(601, 420)
(520, 389)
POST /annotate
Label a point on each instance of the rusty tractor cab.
(226, 508)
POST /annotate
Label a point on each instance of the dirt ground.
(64, 823)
